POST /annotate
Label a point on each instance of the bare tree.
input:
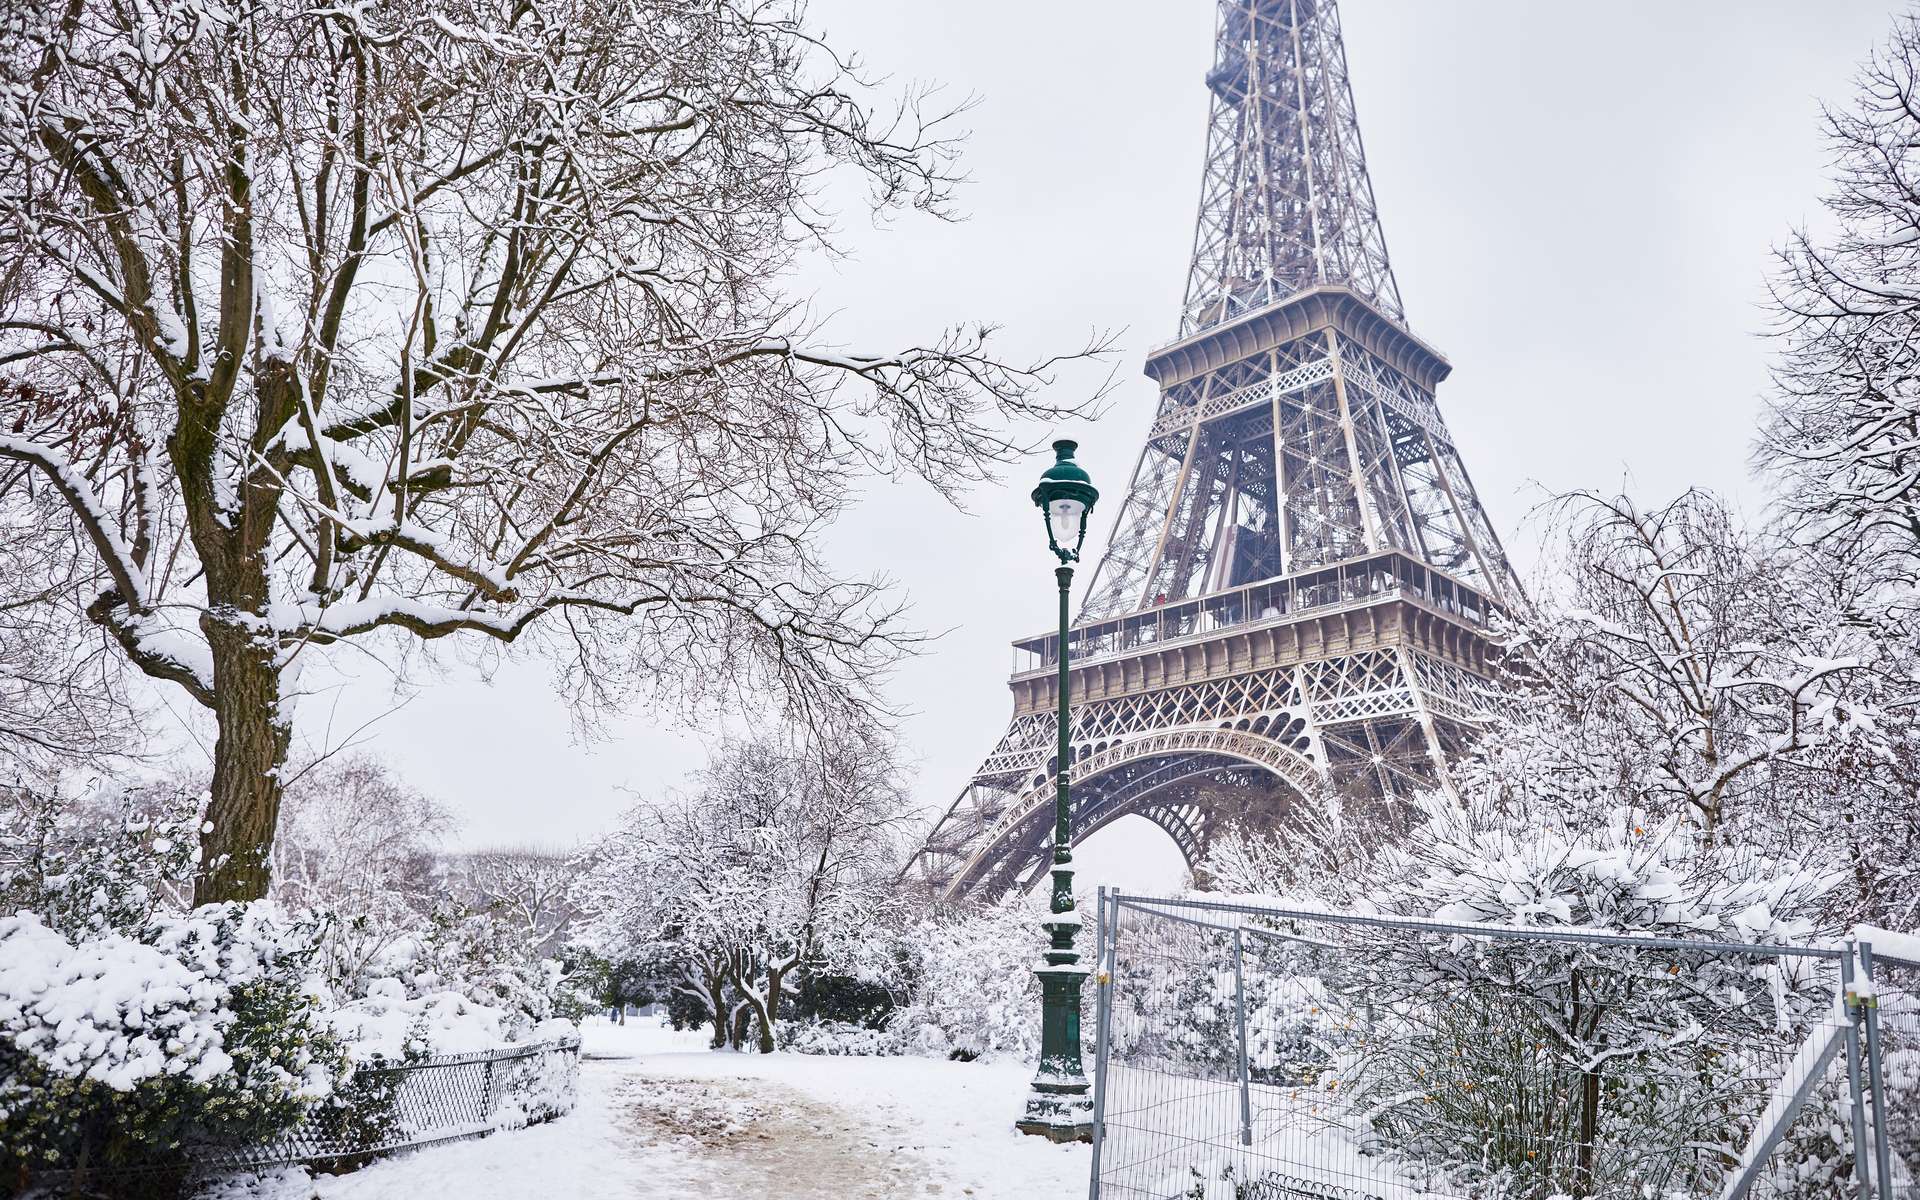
(355, 833)
(432, 321)
(61, 703)
(527, 888)
(362, 847)
(1844, 432)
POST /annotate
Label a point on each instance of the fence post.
(1240, 1019)
(1882, 1152)
(1861, 1147)
(1106, 932)
(486, 1095)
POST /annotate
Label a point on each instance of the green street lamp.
(1058, 1106)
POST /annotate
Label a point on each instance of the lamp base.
(1059, 1110)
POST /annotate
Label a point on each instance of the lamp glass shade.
(1065, 514)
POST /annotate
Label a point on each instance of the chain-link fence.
(1248, 1052)
(419, 1103)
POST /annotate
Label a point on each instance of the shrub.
(838, 1038)
(971, 991)
(1571, 1066)
(118, 1051)
(847, 999)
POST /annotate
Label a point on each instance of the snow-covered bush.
(1174, 1005)
(451, 949)
(839, 1037)
(1900, 1065)
(389, 1026)
(539, 1087)
(107, 859)
(971, 991)
(118, 1049)
(1476, 860)
(1571, 1066)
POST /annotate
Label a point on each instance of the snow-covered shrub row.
(130, 1029)
(118, 1049)
(839, 1037)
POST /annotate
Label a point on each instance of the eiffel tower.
(1298, 585)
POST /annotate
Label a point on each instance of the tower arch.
(1190, 782)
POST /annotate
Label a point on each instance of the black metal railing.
(387, 1108)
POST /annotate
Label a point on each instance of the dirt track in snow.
(760, 1138)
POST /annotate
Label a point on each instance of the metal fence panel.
(1416, 1060)
(416, 1104)
(1892, 1023)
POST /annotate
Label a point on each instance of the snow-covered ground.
(661, 1116)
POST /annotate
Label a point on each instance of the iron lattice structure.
(1297, 588)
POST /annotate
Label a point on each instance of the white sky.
(1579, 201)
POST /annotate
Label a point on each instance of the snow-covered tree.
(61, 705)
(779, 857)
(1706, 732)
(1844, 432)
(1681, 648)
(650, 893)
(526, 889)
(1681, 665)
(360, 847)
(321, 324)
(1322, 842)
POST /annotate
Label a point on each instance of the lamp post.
(1058, 1107)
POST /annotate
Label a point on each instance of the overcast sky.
(1579, 201)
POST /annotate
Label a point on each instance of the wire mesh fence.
(419, 1103)
(1256, 1053)
(1891, 1021)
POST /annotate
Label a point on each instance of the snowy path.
(731, 1138)
(660, 1118)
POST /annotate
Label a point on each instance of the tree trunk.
(771, 1012)
(254, 732)
(717, 1004)
(254, 728)
(1589, 1115)
(1584, 1181)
